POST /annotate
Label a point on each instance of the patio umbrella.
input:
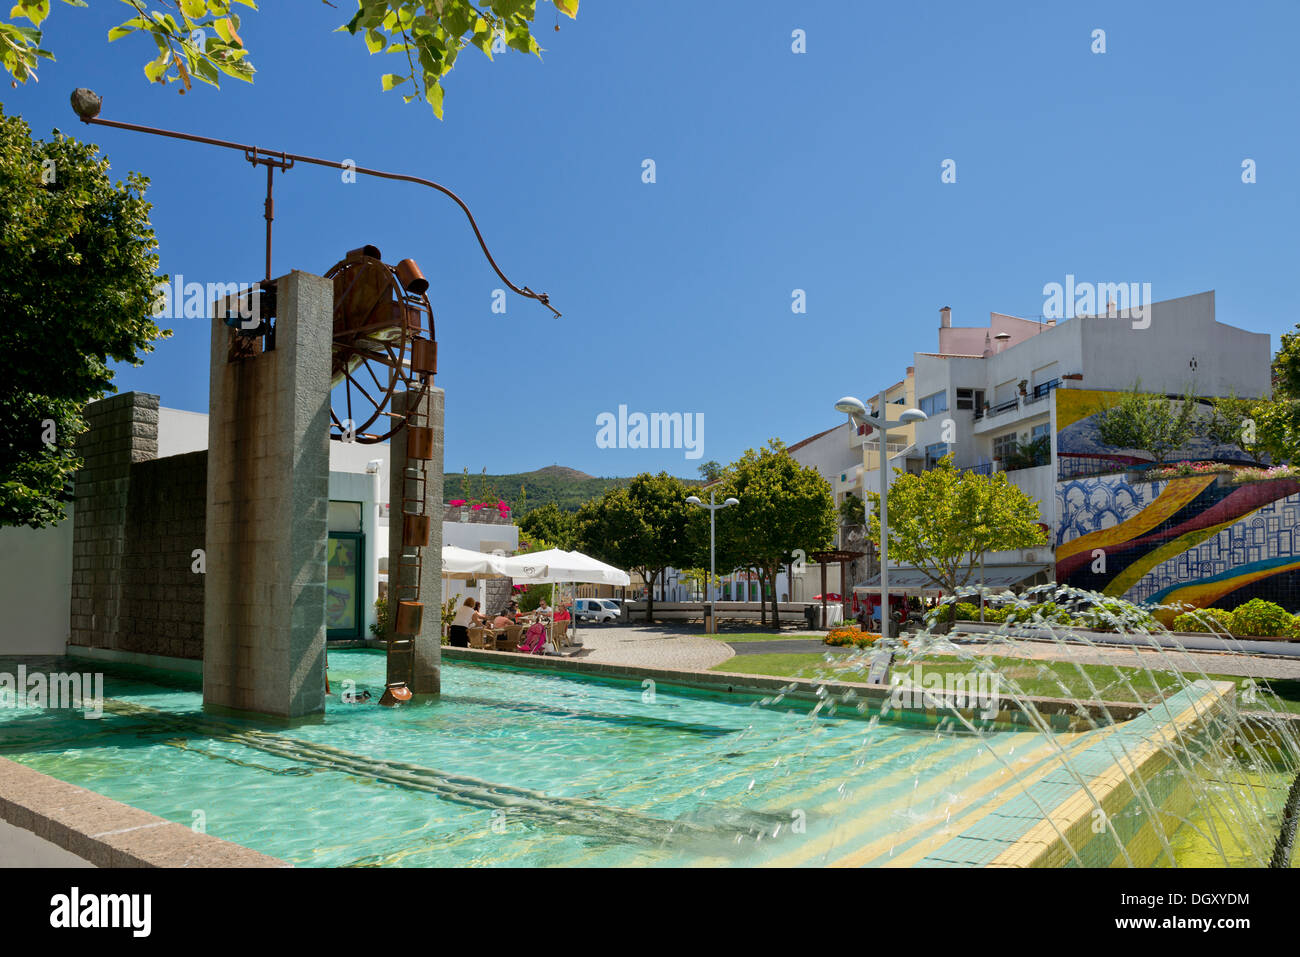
(556, 565)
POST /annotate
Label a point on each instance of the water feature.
(1155, 762)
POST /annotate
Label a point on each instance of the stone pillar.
(428, 643)
(267, 511)
(121, 430)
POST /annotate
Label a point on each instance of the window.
(1004, 445)
(933, 453)
(970, 399)
(1040, 432)
(938, 402)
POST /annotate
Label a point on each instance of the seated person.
(501, 620)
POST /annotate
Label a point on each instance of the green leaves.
(77, 262)
(943, 520)
(199, 39)
(1148, 423)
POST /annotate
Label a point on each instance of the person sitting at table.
(466, 615)
(503, 618)
(543, 608)
(512, 609)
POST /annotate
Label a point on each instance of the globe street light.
(713, 511)
(858, 415)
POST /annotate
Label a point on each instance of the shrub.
(1114, 615)
(379, 626)
(1258, 617)
(856, 637)
(1044, 612)
(1205, 619)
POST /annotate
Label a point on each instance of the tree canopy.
(943, 520)
(641, 527)
(200, 39)
(1147, 422)
(77, 261)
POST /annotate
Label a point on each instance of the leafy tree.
(783, 506)
(552, 525)
(943, 520)
(711, 471)
(852, 510)
(77, 268)
(642, 527)
(1147, 422)
(1235, 421)
(199, 39)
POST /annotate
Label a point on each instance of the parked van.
(596, 609)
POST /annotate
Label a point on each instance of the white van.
(596, 609)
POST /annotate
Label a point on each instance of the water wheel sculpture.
(383, 345)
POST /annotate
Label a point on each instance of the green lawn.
(761, 636)
(1052, 679)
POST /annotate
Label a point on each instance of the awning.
(908, 579)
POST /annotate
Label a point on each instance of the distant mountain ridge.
(565, 487)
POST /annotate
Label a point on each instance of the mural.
(1080, 450)
(1202, 540)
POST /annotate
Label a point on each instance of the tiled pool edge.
(103, 832)
(1062, 712)
(1020, 835)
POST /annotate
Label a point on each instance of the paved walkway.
(652, 646)
(1223, 663)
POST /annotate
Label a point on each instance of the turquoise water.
(509, 767)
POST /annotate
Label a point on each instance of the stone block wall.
(162, 595)
(122, 430)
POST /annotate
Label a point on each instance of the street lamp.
(713, 511)
(858, 415)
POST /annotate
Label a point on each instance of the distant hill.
(568, 488)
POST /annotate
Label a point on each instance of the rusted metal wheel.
(383, 344)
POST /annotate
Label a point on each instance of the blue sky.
(775, 171)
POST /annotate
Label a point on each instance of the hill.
(567, 488)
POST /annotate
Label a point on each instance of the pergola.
(843, 556)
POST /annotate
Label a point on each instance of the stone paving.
(1222, 663)
(652, 646)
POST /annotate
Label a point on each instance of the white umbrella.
(556, 565)
(460, 562)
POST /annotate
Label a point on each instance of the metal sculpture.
(383, 344)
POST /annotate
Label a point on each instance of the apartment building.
(992, 392)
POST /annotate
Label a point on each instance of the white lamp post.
(713, 511)
(857, 413)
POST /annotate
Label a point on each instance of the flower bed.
(841, 637)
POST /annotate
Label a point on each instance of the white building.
(990, 388)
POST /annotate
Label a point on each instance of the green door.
(345, 585)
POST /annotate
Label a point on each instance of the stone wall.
(162, 595)
(122, 430)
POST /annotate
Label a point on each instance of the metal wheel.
(383, 344)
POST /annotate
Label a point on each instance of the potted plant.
(1024, 386)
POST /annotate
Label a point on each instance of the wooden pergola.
(843, 556)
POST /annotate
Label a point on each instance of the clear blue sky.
(775, 171)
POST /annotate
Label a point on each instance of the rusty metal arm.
(283, 160)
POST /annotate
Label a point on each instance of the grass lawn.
(1052, 679)
(762, 636)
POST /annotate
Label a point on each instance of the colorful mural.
(1202, 540)
(1080, 450)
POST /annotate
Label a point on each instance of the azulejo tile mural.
(1202, 540)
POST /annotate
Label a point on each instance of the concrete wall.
(36, 579)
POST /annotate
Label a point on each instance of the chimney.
(945, 317)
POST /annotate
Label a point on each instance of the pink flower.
(457, 501)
